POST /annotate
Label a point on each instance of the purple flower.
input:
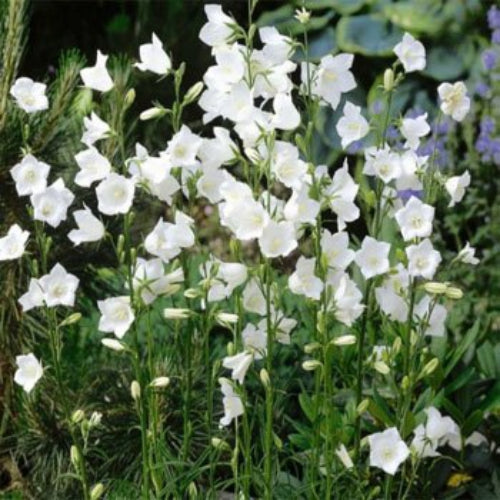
(377, 107)
(489, 58)
(495, 36)
(494, 18)
(482, 89)
(487, 125)
(355, 147)
(405, 194)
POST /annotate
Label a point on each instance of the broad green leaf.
(416, 17)
(370, 35)
(321, 44)
(449, 62)
(472, 422)
(492, 400)
(307, 406)
(486, 359)
(344, 7)
(462, 379)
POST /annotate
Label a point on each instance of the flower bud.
(313, 346)
(264, 378)
(119, 245)
(344, 340)
(97, 491)
(230, 349)
(396, 346)
(193, 93)
(388, 79)
(452, 292)
(400, 255)
(176, 313)
(71, 319)
(191, 293)
(405, 383)
(430, 367)
(277, 441)
(160, 382)
(224, 317)
(220, 444)
(151, 113)
(77, 416)
(311, 364)
(129, 97)
(302, 15)
(363, 406)
(75, 456)
(414, 336)
(192, 490)
(435, 288)
(135, 390)
(114, 344)
(381, 367)
(95, 418)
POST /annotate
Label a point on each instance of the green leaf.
(449, 62)
(472, 422)
(464, 344)
(344, 7)
(418, 17)
(370, 35)
(486, 359)
(492, 400)
(325, 42)
(307, 406)
(379, 409)
(463, 379)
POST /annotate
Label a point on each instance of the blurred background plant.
(462, 42)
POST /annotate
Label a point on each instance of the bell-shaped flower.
(331, 78)
(183, 147)
(335, 249)
(277, 47)
(456, 186)
(95, 129)
(116, 315)
(287, 165)
(300, 208)
(286, 116)
(93, 167)
(352, 126)
(238, 364)
(33, 297)
(51, 204)
(373, 257)
(303, 281)
(30, 175)
(29, 95)
(154, 58)
(382, 163)
(278, 239)
(413, 129)
(97, 77)
(218, 29)
(415, 219)
(238, 105)
(432, 317)
(467, 255)
(255, 340)
(246, 218)
(454, 100)
(253, 298)
(233, 406)
(208, 185)
(90, 228)
(217, 151)
(411, 53)
(423, 260)
(230, 67)
(58, 287)
(387, 450)
(29, 371)
(115, 194)
(391, 295)
(341, 194)
(346, 300)
(13, 244)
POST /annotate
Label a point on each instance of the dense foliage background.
(33, 446)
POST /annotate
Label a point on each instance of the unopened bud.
(97, 491)
(313, 346)
(119, 245)
(430, 367)
(388, 79)
(191, 293)
(160, 382)
(71, 319)
(77, 416)
(435, 288)
(371, 198)
(405, 383)
(220, 444)
(452, 292)
(414, 336)
(396, 346)
(277, 441)
(75, 456)
(264, 378)
(230, 349)
(344, 340)
(175, 313)
(193, 93)
(381, 367)
(224, 317)
(135, 390)
(400, 255)
(311, 364)
(363, 406)
(129, 98)
(192, 490)
(151, 113)
(114, 344)
(253, 155)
